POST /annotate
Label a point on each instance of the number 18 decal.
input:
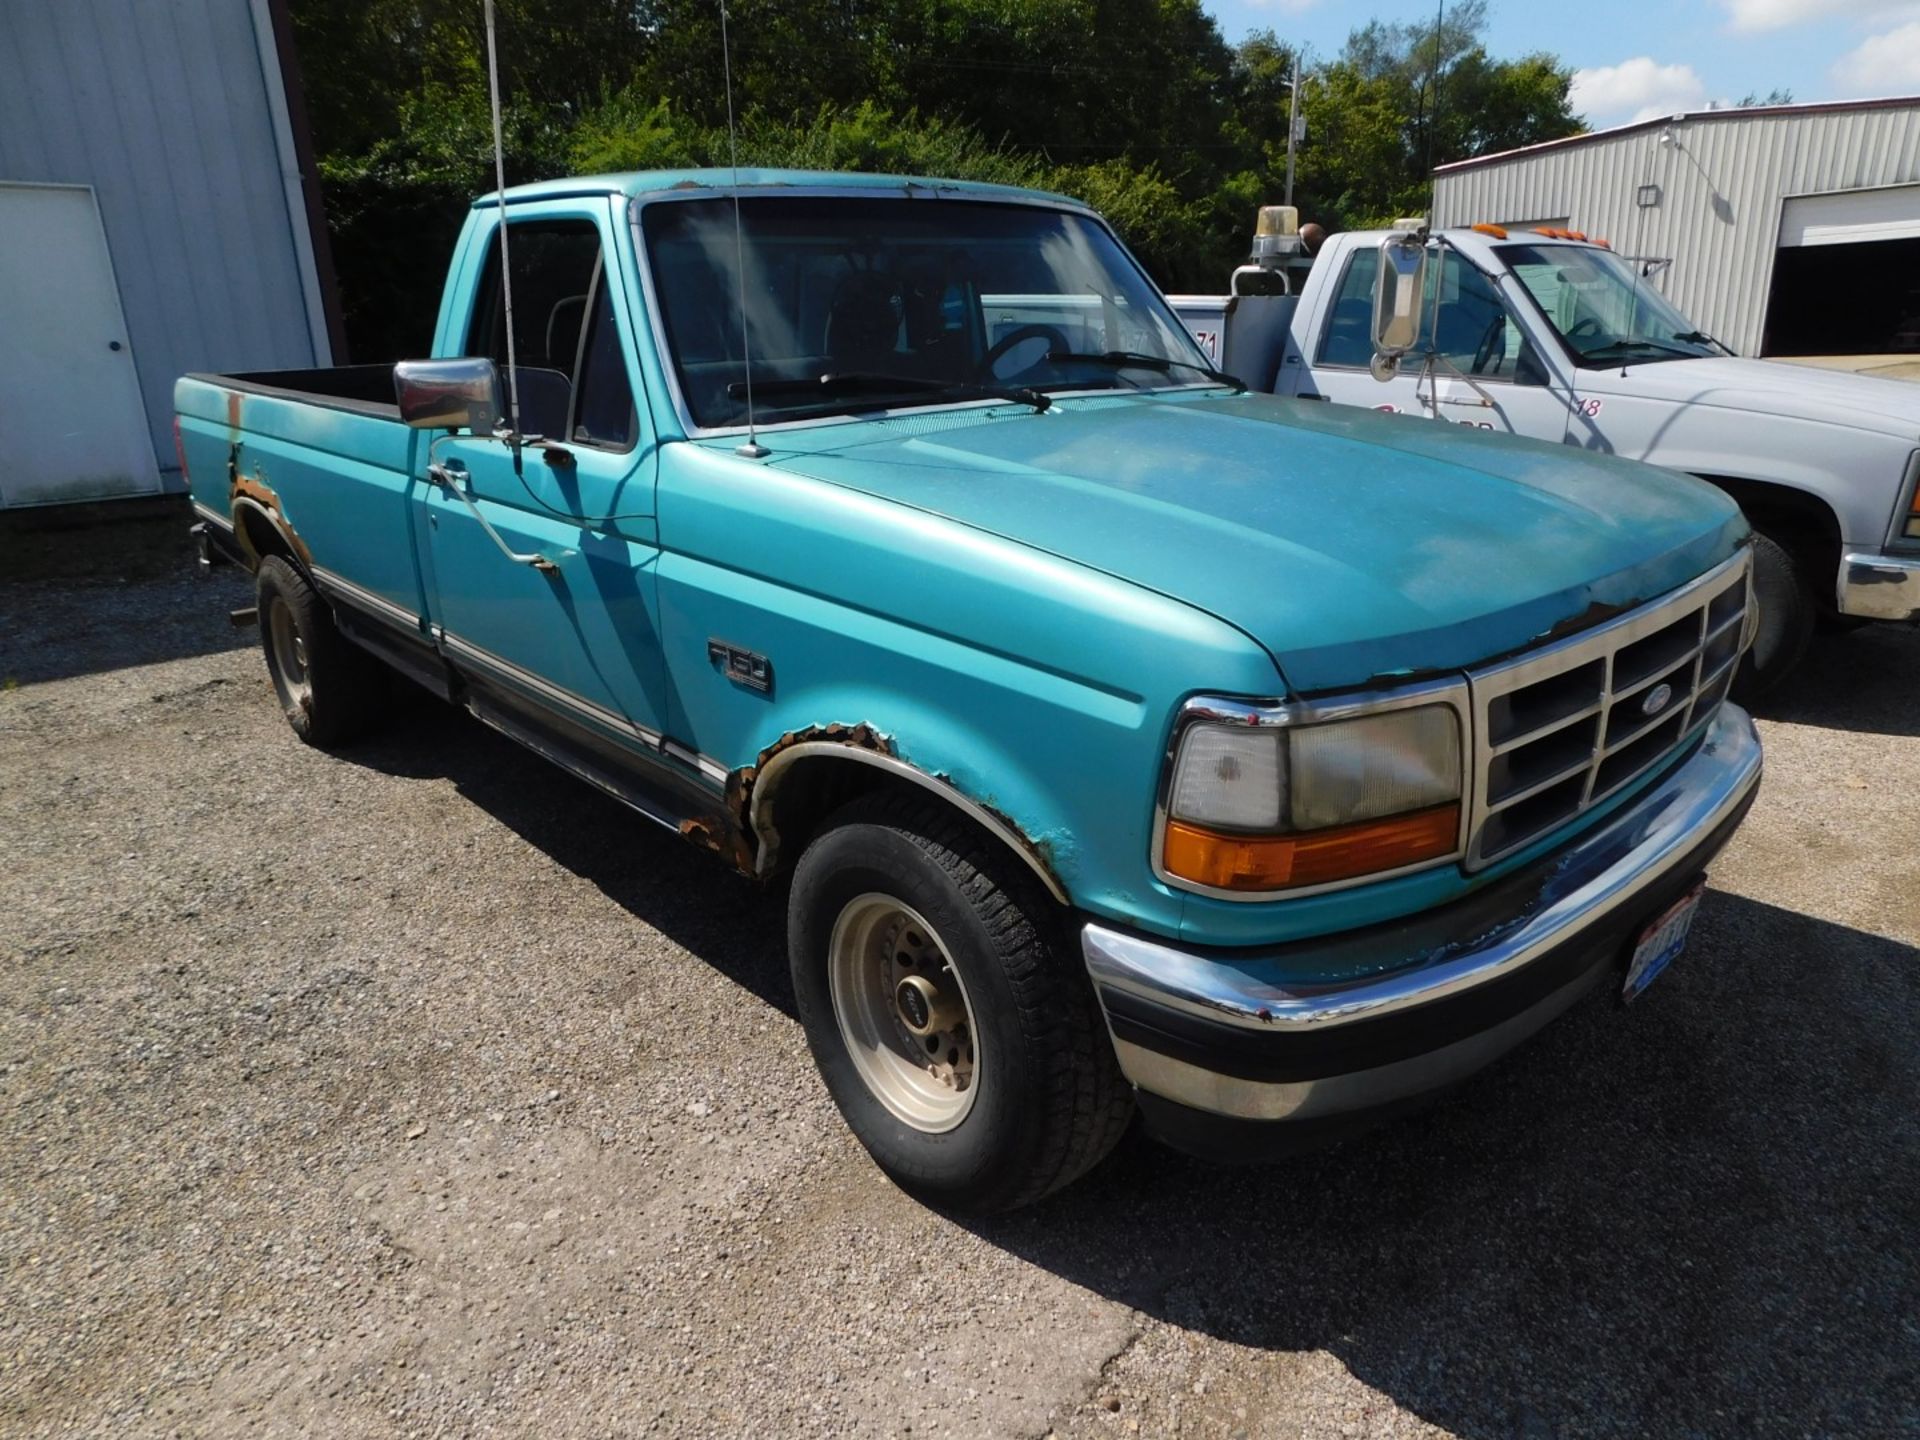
(1588, 408)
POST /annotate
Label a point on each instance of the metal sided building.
(1786, 229)
(158, 214)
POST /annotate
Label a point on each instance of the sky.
(1634, 59)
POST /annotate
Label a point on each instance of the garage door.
(1852, 217)
(71, 422)
(1846, 278)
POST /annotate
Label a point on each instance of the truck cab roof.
(643, 182)
(1476, 237)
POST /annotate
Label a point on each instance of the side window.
(571, 373)
(1472, 329)
(1348, 338)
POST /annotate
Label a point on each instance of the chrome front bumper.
(1879, 587)
(1225, 1033)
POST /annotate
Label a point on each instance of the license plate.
(1664, 938)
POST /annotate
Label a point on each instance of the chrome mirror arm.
(451, 479)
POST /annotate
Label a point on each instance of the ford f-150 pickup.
(1550, 334)
(1125, 741)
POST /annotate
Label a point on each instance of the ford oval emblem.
(1655, 700)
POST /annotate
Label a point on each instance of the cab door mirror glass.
(449, 394)
(1399, 300)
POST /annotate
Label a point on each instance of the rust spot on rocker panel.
(729, 841)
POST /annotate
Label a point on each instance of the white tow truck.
(1549, 334)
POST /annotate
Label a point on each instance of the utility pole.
(1293, 121)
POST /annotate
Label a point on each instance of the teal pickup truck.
(1126, 742)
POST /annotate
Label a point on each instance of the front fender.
(1857, 473)
(1039, 691)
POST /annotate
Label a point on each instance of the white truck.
(1547, 334)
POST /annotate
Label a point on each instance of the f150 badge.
(743, 667)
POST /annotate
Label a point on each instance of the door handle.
(453, 479)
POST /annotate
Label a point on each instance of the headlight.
(1263, 807)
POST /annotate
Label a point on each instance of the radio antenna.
(753, 449)
(500, 184)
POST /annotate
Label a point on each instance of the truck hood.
(1354, 547)
(1772, 387)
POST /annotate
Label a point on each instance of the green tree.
(1138, 106)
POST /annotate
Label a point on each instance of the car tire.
(330, 690)
(998, 1085)
(1787, 612)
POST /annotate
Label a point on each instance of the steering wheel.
(1019, 335)
(1584, 326)
(1493, 345)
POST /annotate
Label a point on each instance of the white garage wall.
(1724, 178)
(164, 108)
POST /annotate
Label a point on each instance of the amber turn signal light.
(1317, 857)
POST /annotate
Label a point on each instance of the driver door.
(1471, 331)
(577, 637)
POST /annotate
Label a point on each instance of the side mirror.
(1399, 300)
(449, 394)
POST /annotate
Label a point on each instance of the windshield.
(858, 303)
(1591, 297)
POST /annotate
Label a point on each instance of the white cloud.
(1778, 14)
(1636, 89)
(1886, 64)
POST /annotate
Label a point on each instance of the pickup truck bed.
(367, 389)
(310, 459)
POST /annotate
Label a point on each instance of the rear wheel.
(330, 690)
(954, 1028)
(1787, 611)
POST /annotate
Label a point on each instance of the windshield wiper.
(1615, 349)
(1700, 337)
(842, 382)
(1140, 360)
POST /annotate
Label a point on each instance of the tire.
(330, 690)
(1023, 1095)
(1787, 609)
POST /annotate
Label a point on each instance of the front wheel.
(1787, 611)
(959, 1037)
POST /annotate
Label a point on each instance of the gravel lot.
(423, 1090)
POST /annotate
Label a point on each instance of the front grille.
(1560, 729)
